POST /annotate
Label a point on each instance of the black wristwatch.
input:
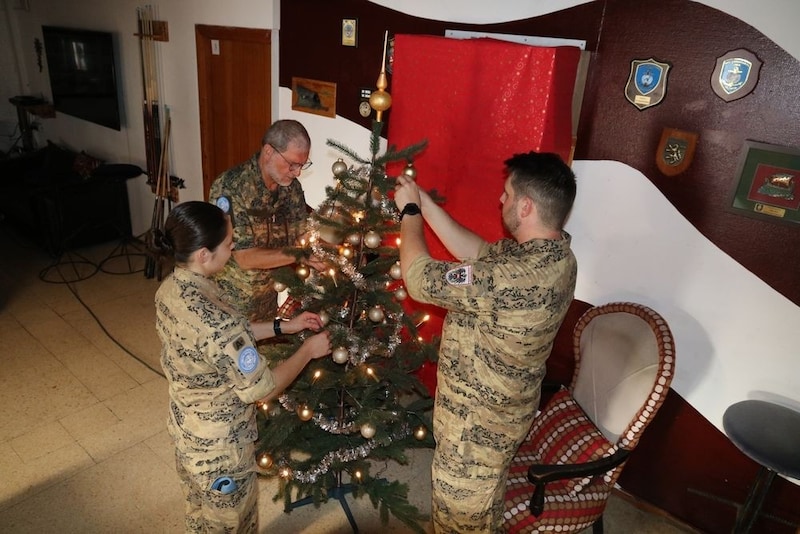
(410, 209)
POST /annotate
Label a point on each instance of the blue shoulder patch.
(248, 360)
(224, 204)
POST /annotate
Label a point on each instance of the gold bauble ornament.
(279, 286)
(264, 460)
(340, 355)
(380, 100)
(354, 239)
(421, 432)
(410, 171)
(372, 239)
(395, 271)
(400, 293)
(368, 430)
(303, 271)
(304, 413)
(338, 167)
(346, 251)
(324, 317)
(376, 314)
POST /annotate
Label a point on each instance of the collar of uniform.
(182, 274)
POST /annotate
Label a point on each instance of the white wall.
(735, 336)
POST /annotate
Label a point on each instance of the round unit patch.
(224, 204)
(248, 360)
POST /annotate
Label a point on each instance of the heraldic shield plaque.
(675, 151)
(736, 74)
(647, 82)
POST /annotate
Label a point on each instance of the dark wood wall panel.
(691, 36)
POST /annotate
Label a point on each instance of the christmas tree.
(364, 403)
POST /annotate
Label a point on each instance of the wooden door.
(234, 86)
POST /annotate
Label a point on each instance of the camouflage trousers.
(475, 443)
(220, 488)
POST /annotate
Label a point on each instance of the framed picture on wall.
(767, 183)
(314, 96)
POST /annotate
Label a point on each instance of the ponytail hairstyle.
(190, 226)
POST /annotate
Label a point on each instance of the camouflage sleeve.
(466, 286)
(233, 200)
(246, 369)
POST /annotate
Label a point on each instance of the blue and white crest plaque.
(647, 82)
(735, 75)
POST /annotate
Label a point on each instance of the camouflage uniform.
(261, 218)
(215, 375)
(504, 309)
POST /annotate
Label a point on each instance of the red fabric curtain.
(477, 102)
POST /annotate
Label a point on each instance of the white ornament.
(372, 239)
(324, 317)
(400, 293)
(340, 355)
(279, 286)
(376, 314)
(395, 271)
(368, 430)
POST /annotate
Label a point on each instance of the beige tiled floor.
(83, 445)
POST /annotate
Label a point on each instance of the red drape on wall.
(477, 102)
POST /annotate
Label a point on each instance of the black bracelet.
(276, 326)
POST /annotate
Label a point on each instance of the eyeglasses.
(293, 165)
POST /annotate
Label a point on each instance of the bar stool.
(769, 434)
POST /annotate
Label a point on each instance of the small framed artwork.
(767, 184)
(314, 96)
(349, 32)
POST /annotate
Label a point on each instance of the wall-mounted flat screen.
(83, 76)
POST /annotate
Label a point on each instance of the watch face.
(364, 109)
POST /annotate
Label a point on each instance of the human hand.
(317, 345)
(406, 190)
(317, 263)
(306, 320)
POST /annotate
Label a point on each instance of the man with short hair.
(505, 302)
(268, 210)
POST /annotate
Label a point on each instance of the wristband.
(276, 326)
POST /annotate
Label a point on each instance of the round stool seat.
(766, 432)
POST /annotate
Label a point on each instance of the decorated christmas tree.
(363, 404)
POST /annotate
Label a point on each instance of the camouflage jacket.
(214, 371)
(261, 218)
(504, 310)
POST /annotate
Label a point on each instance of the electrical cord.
(70, 285)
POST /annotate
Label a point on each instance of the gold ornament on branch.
(395, 271)
(368, 430)
(340, 355)
(410, 171)
(303, 271)
(421, 432)
(304, 412)
(376, 314)
(372, 239)
(338, 167)
(324, 317)
(279, 286)
(264, 460)
(380, 100)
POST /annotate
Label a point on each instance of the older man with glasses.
(268, 211)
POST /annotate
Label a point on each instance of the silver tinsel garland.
(343, 456)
